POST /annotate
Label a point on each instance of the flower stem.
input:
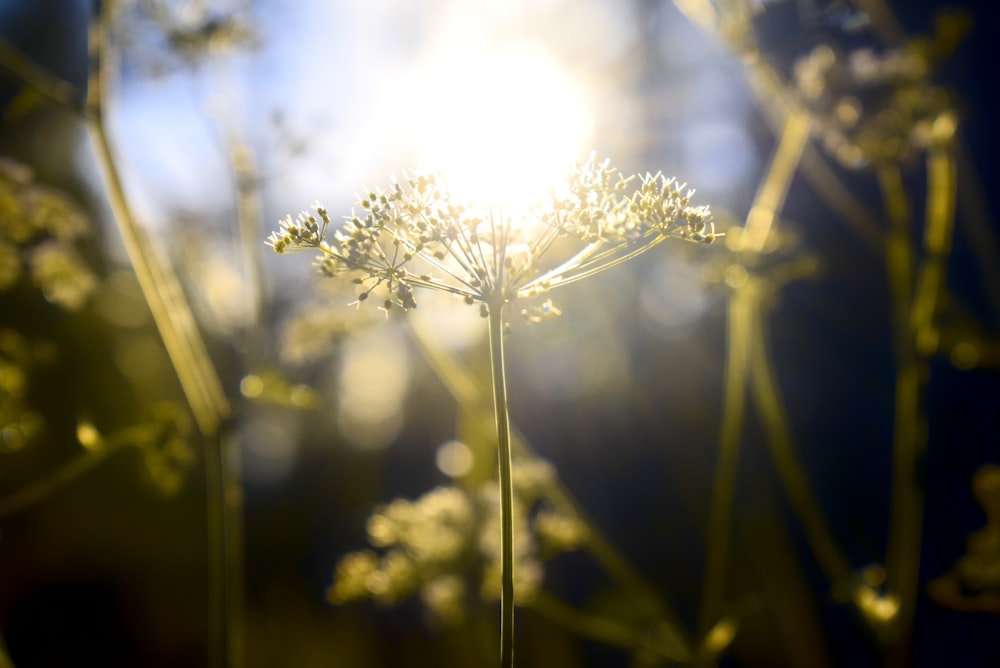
(506, 486)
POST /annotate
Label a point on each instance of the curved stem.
(506, 486)
(198, 378)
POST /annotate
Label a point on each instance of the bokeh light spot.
(454, 459)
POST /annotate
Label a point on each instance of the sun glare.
(502, 127)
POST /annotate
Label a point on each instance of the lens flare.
(502, 126)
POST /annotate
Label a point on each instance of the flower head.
(414, 235)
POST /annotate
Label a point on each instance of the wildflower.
(61, 274)
(444, 598)
(18, 424)
(446, 544)
(873, 107)
(352, 574)
(414, 235)
(558, 532)
(38, 225)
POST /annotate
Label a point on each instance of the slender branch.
(898, 254)
(49, 86)
(767, 399)
(773, 190)
(773, 100)
(831, 189)
(742, 307)
(159, 285)
(699, 12)
(595, 264)
(940, 211)
(910, 435)
(506, 484)
(184, 345)
(73, 469)
(603, 629)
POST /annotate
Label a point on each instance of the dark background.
(106, 572)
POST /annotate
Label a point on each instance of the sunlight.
(502, 126)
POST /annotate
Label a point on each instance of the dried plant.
(414, 235)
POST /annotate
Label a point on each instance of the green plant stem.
(52, 88)
(506, 484)
(773, 190)
(767, 399)
(186, 349)
(70, 471)
(468, 395)
(910, 428)
(941, 198)
(603, 629)
(741, 314)
(898, 254)
(40, 489)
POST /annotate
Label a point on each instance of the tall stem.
(198, 378)
(506, 486)
(742, 311)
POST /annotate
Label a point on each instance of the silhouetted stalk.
(601, 629)
(910, 437)
(249, 219)
(741, 314)
(772, 192)
(743, 309)
(941, 187)
(506, 484)
(468, 396)
(898, 254)
(185, 348)
(767, 398)
(488, 256)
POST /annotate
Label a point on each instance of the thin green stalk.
(742, 306)
(767, 398)
(603, 629)
(898, 254)
(941, 198)
(42, 488)
(774, 189)
(910, 436)
(186, 349)
(468, 396)
(506, 484)
(54, 89)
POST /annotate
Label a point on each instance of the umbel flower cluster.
(40, 227)
(445, 547)
(414, 235)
